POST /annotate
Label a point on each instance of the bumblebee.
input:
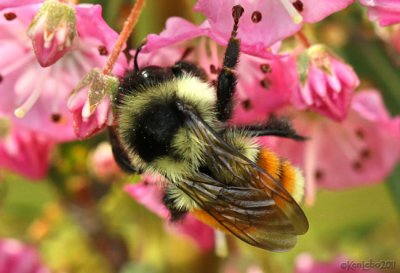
(171, 121)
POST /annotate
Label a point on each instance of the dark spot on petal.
(1, 78)
(247, 105)
(319, 175)
(55, 118)
(102, 50)
(213, 69)
(10, 16)
(265, 68)
(365, 153)
(265, 83)
(357, 165)
(256, 17)
(214, 83)
(298, 5)
(360, 134)
(146, 183)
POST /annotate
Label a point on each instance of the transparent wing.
(257, 210)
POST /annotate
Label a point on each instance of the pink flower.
(16, 257)
(23, 151)
(305, 263)
(52, 31)
(386, 12)
(89, 102)
(102, 162)
(12, 3)
(326, 83)
(362, 149)
(264, 85)
(149, 194)
(264, 22)
(38, 96)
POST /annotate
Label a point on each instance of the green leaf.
(393, 185)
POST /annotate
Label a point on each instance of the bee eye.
(155, 74)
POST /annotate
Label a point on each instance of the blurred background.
(83, 221)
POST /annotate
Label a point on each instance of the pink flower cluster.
(40, 66)
(16, 257)
(352, 139)
(149, 193)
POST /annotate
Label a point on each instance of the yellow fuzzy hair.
(188, 89)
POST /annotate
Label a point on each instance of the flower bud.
(102, 163)
(89, 102)
(52, 31)
(326, 83)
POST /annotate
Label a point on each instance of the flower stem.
(303, 39)
(129, 24)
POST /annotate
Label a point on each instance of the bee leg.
(175, 213)
(182, 67)
(226, 82)
(135, 60)
(119, 153)
(279, 127)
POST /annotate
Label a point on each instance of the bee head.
(153, 129)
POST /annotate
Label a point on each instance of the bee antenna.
(237, 12)
(135, 60)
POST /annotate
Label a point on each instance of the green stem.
(393, 185)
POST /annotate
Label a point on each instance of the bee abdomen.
(283, 172)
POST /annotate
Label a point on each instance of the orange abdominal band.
(281, 170)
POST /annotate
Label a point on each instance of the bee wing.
(260, 211)
(244, 212)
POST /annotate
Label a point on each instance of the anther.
(265, 68)
(365, 153)
(357, 165)
(213, 69)
(10, 16)
(102, 50)
(256, 17)
(360, 134)
(247, 105)
(265, 83)
(298, 5)
(55, 118)
(319, 175)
